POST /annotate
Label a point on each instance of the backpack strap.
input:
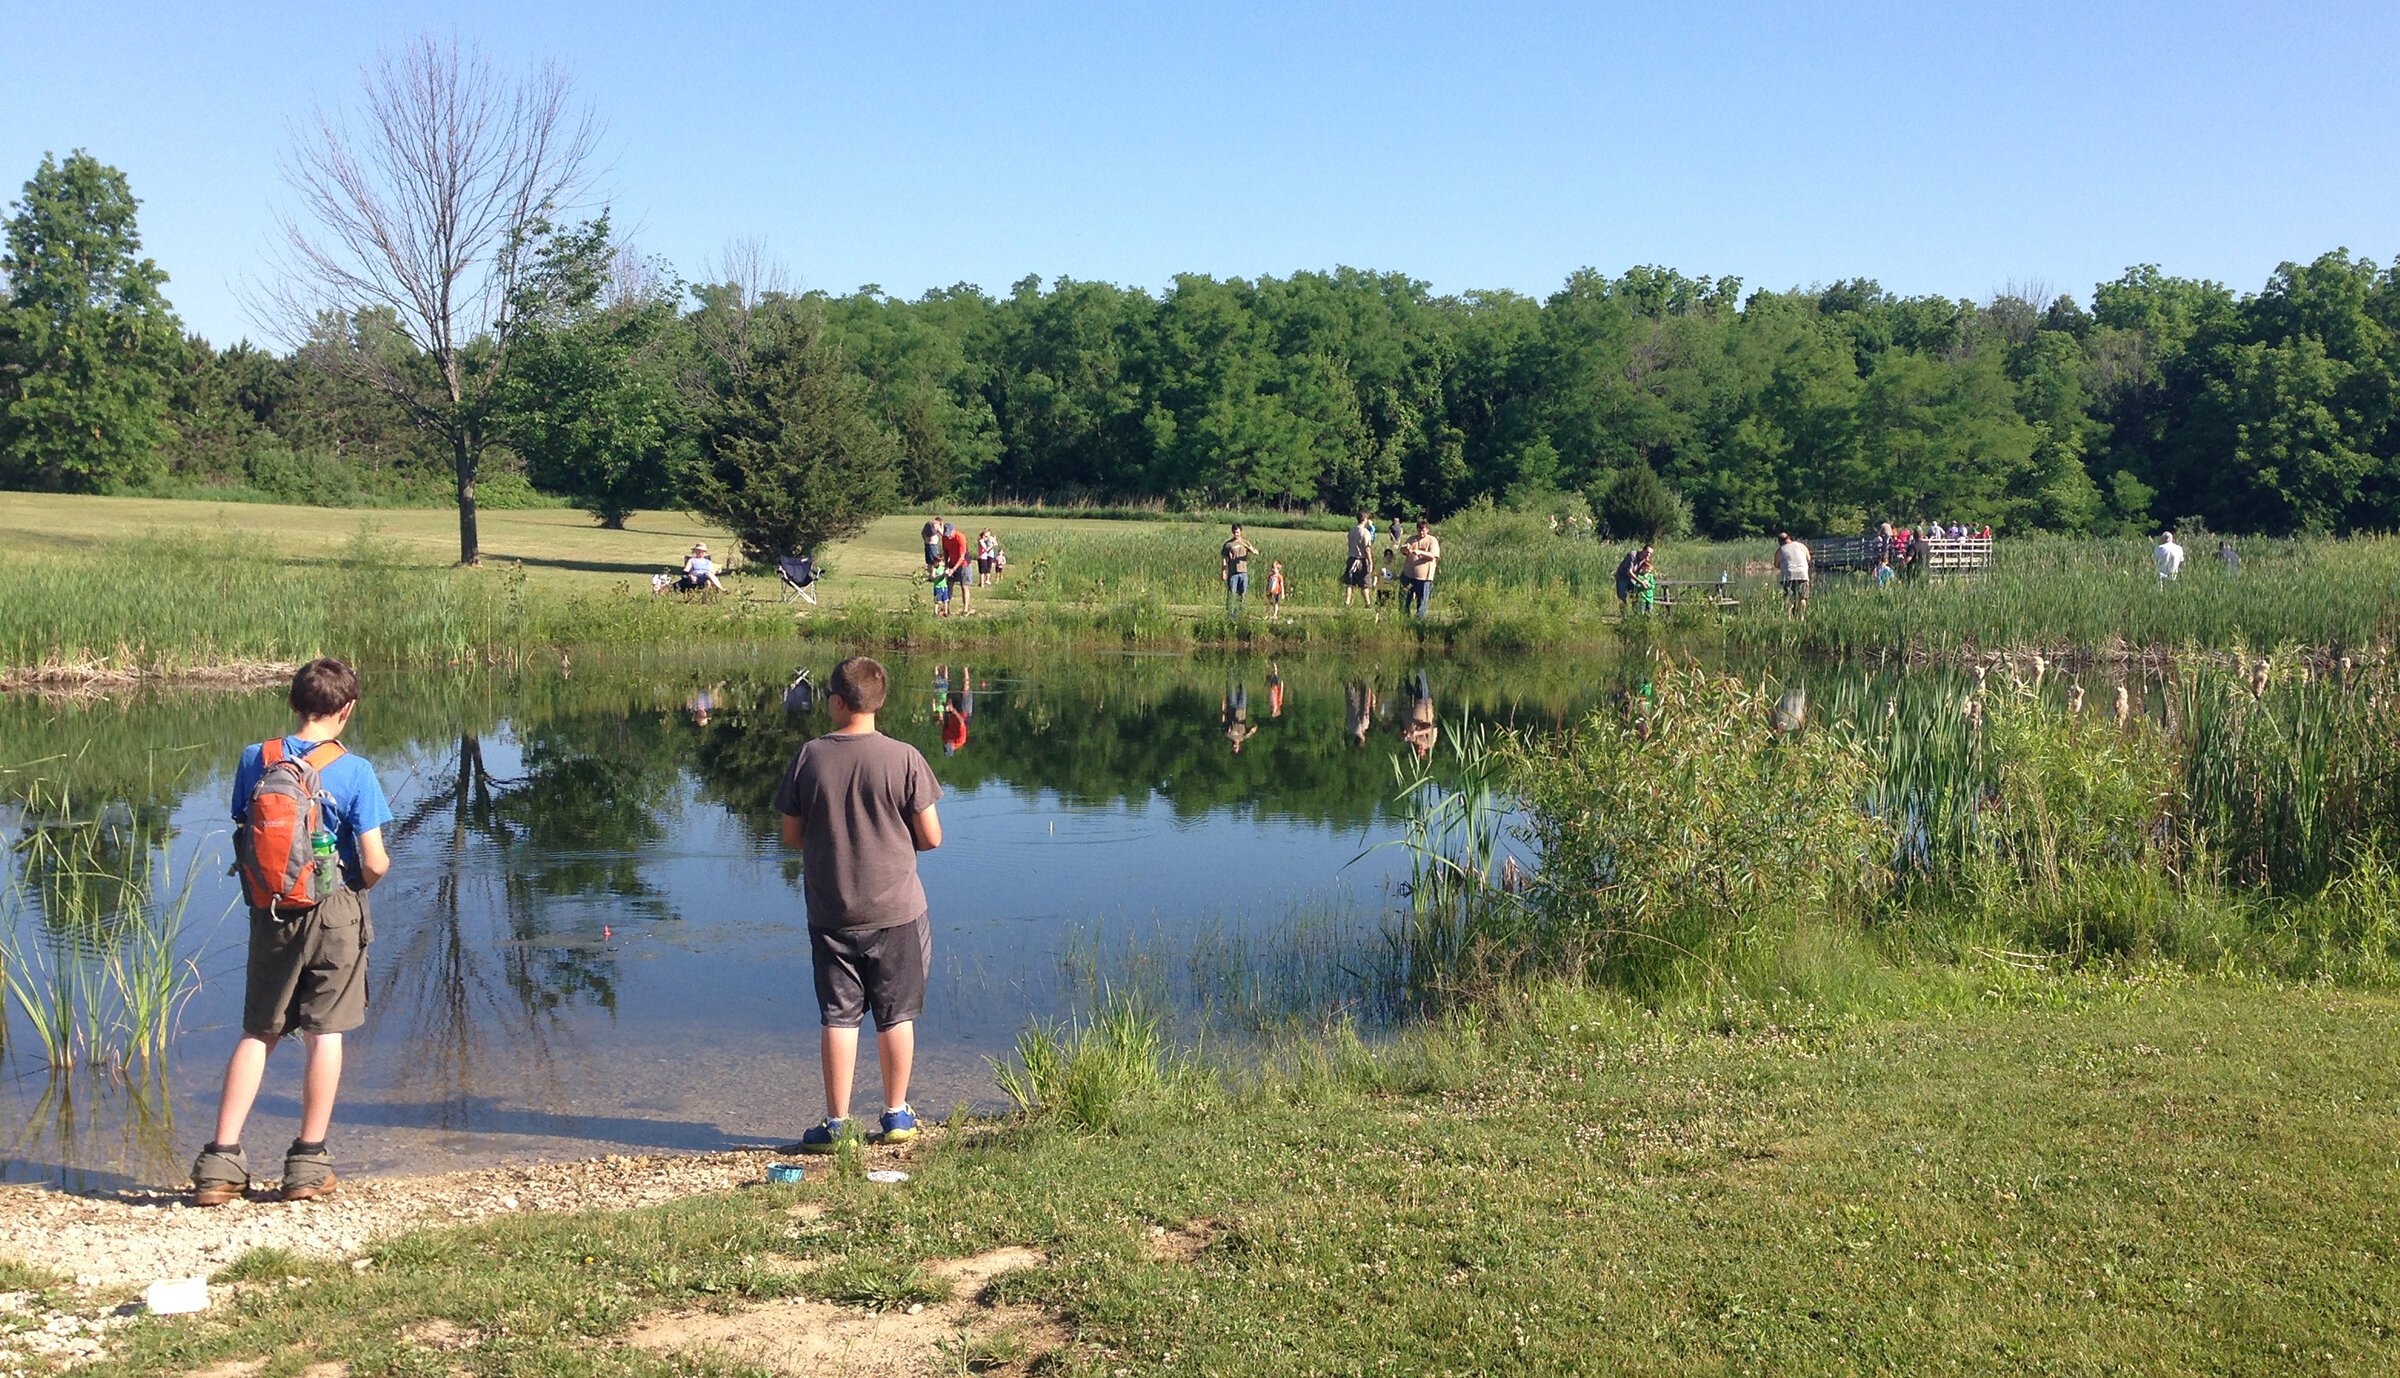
(270, 751)
(323, 754)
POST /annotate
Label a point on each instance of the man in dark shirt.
(860, 806)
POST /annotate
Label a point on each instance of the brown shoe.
(219, 1177)
(307, 1176)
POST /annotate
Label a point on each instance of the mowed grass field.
(562, 549)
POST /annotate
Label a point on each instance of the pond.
(591, 940)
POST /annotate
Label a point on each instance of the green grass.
(81, 580)
(1967, 1171)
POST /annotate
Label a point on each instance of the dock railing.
(1934, 554)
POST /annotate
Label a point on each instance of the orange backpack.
(275, 846)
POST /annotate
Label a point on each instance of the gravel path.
(135, 1237)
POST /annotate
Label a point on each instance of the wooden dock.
(1935, 554)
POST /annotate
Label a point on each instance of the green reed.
(2101, 598)
(91, 920)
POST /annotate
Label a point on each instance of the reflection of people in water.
(1422, 728)
(1790, 712)
(957, 709)
(1235, 714)
(702, 703)
(954, 725)
(802, 696)
(1274, 691)
(1360, 695)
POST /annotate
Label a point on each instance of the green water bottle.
(329, 863)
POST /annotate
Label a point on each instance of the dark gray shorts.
(885, 968)
(308, 972)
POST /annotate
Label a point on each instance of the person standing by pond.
(2168, 558)
(954, 568)
(1645, 578)
(1791, 566)
(1421, 557)
(1235, 565)
(987, 558)
(2228, 556)
(859, 806)
(933, 544)
(307, 964)
(1358, 571)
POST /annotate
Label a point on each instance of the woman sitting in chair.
(699, 571)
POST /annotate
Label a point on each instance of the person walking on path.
(2168, 558)
(954, 568)
(1358, 571)
(1235, 564)
(307, 962)
(1423, 556)
(1791, 566)
(859, 806)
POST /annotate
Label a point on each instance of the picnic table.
(1719, 592)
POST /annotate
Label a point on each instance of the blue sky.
(1946, 148)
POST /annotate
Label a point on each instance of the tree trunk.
(470, 550)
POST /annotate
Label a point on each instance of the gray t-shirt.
(854, 794)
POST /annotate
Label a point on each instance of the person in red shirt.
(954, 566)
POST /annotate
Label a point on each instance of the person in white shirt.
(2169, 557)
(1791, 566)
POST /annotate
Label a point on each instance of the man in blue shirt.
(307, 970)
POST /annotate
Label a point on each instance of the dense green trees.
(2160, 399)
(88, 345)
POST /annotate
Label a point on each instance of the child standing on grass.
(307, 967)
(860, 806)
(1275, 590)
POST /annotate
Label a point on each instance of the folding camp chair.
(799, 575)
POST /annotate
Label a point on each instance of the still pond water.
(592, 942)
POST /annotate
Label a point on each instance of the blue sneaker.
(899, 1126)
(819, 1139)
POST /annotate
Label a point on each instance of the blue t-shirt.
(358, 806)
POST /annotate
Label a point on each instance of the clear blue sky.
(1943, 148)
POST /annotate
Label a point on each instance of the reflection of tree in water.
(573, 825)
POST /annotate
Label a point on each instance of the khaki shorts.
(308, 972)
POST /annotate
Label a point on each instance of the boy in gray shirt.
(859, 806)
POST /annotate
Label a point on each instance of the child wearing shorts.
(307, 968)
(859, 806)
(1275, 590)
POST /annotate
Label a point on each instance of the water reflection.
(592, 937)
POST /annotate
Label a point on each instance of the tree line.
(608, 380)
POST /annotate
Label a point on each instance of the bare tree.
(419, 208)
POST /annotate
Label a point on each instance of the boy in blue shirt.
(307, 968)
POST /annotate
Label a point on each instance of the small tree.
(89, 347)
(588, 400)
(1635, 502)
(792, 454)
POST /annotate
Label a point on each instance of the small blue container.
(786, 1173)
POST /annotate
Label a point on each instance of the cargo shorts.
(308, 971)
(885, 969)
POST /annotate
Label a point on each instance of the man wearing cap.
(699, 571)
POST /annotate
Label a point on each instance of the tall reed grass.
(91, 921)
